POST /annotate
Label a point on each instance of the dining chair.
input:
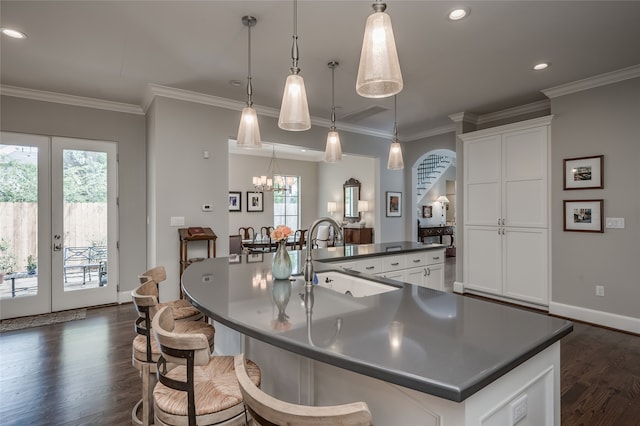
(265, 231)
(248, 233)
(267, 410)
(235, 244)
(299, 239)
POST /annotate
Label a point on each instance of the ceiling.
(111, 50)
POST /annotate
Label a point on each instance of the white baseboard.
(606, 319)
(124, 297)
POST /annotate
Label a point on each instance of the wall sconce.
(332, 207)
(363, 206)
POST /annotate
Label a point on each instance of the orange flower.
(281, 232)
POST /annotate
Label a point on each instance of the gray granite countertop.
(451, 346)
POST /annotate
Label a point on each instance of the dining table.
(266, 244)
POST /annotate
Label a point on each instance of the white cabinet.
(506, 211)
(424, 268)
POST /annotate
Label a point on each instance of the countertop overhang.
(443, 344)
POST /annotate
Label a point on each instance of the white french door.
(75, 215)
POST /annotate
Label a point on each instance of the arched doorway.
(433, 176)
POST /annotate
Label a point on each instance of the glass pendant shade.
(333, 150)
(395, 157)
(248, 131)
(294, 112)
(379, 73)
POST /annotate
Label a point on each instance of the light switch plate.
(615, 222)
(177, 220)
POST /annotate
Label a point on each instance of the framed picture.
(426, 211)
(254, 201)
(394, 204)
(583, 215)
(235, 201)
(255, 257)
(584, 172)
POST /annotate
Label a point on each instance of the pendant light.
(294, 111)
(395, 151)
(333, 150)
(379, 73)
(248, 131)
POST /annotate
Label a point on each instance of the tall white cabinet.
(506, 211)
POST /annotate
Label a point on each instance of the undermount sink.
(350, 285)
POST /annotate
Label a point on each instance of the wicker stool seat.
(194, 386)
(145, 348)
(183, 310)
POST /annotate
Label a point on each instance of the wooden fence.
(85, 224)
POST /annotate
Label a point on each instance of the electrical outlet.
(518, 409)
(207, 208)
(600, 290)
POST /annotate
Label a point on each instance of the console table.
(436, 231)
(358, 235)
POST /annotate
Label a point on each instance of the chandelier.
(273, 181)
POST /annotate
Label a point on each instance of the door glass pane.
(19, 221)
(85, 219)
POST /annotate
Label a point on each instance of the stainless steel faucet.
(308, 266)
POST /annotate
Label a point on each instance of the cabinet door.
(482, 173)
(524, 178)
(526, 272)
(482, 264)
(416, 275)
(435, 277)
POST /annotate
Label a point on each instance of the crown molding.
(467, 117)
(60, 98)
(432, 132)
(514, 112)
(154, 90)
(593, 82)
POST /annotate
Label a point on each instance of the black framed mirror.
(351, 195)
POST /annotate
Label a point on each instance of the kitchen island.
(414, 354)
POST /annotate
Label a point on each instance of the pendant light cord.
(395, 119)
(333, 91)
(294, 48)
(249, 86)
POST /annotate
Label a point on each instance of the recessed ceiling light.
(542, 66)
(13, 33)
(458, 13)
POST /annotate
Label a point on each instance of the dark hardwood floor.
(80, 373)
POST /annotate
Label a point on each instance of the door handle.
(57, 247)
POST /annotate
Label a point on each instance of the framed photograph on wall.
(254, 201)
(427, 211)
(235, 201)
(583, 215)
(394, 204)
(584, 172)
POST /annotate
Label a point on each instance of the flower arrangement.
(281, 232)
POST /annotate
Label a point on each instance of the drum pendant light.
(248, 131)
(294, 111)
(333, 150)
(379, 73)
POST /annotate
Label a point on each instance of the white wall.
(243, 167)
(333, 175)
(600, 121)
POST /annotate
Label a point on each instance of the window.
(286, 204)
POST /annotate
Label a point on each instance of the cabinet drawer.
(416, 259)
(394, 263)
(370, 266)
(435, 256)
(352, 264)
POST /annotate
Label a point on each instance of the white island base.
(528, 395)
